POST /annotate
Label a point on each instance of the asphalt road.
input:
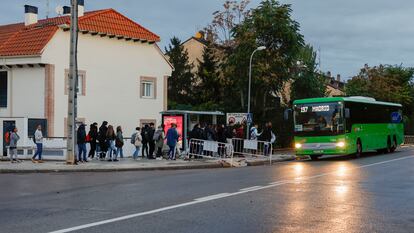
(371, 194)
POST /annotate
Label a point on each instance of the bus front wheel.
(358, 149)
(314, 157)
(394, 145)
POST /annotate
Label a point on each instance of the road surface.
(371, 194)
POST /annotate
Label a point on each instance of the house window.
(32, 126)
(148, 87)
(81, 91)
(3, 89)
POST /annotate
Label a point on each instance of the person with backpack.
(151, 141)
(103, 144)
(136, 140)
(110, 138)
(254, 132)
(119, 144)
(38, 139)
(159, 137)
(266, 136)
(13, 139)
(145, 140)
(91, 138)
(81, 141)
(172, 140)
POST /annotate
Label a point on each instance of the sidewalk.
(128, 164)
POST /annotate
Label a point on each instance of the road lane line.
(216, 197)
(212, 197)
(250, 188)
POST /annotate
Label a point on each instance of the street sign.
(249, 118)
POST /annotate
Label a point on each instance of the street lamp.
(250, 86)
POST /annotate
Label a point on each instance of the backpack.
(156, 136)
(133, 136)
(138, 140)
(7, 138)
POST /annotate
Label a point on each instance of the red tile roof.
(20, 40)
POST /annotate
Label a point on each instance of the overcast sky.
(349, 33)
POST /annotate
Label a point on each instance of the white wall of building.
(113, 70)
(26, 93)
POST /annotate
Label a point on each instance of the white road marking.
(214, 197)
(250, 188)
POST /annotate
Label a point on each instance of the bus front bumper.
(321, 149)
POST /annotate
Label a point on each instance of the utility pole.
(73, 85)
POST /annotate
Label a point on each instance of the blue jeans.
(82, 150)
(136, 153)
(171, 152)
(39, 151)
(120, 152)
(111, 148)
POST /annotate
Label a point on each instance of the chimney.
(66, 10)
(81, 8)
(30, 15)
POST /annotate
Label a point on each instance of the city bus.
(346, 126)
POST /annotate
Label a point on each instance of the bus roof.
(359, 99)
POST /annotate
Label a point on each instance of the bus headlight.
(340, 144)
(298, 145)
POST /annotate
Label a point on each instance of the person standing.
(38, 138)
(81, 141)
(92, 136)
(159, 137)
(136, 140)
(110, 138)
(14, 138)
(103, 144)
(266, 136)
(254, 132)
(145, 139)
(172, 139)
(119, 143)
(151, 141)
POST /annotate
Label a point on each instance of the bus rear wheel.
(359, 149)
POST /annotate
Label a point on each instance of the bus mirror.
(287, 113)
(347, 113)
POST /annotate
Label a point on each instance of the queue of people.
(107, 143)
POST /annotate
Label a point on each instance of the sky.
(348, 33)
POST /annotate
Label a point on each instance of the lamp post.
(250, 87)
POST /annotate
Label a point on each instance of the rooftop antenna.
(59, 10)
(47, 8)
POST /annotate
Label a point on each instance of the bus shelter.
(185, 120)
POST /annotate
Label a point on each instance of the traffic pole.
(72, 92)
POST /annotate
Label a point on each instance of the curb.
(172, 168)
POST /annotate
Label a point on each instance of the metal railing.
(409, 139)
(198, 148)
(252, 148)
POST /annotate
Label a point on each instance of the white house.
(122, 79)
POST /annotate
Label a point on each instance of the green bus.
(345, 126)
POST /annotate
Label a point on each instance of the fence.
(252, 148)
(409, 139)
(210, 149)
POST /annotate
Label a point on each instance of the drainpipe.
(10, 80)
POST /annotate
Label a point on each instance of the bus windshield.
(319, 119)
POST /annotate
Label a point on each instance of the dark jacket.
(229, 131)
(266, 135)
(196, 133)
(81, 135)
(221, 135)
(93, 134)
(172, 137)
(145, 135)
(102, 133)
(151, 132)
(209, 134)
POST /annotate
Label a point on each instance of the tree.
(386, 83)
(309, 82)
(179, 84)
(209, 90)
(270, 25)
